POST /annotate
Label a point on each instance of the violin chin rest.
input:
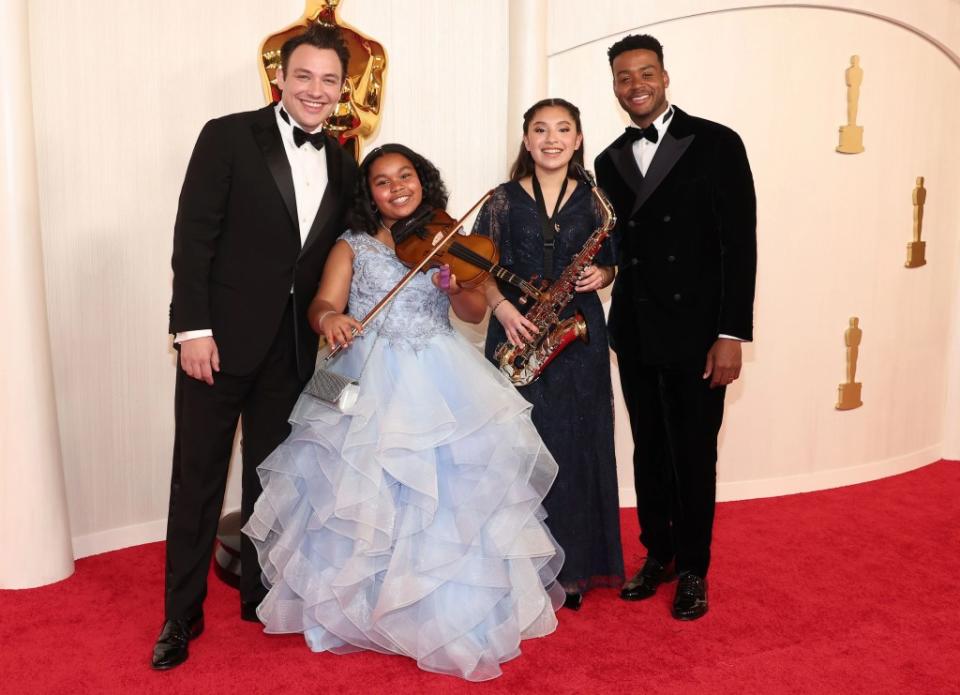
(411, 224)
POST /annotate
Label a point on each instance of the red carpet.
(853, 590)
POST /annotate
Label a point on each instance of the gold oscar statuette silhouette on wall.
(357, 116)
(848, 396)
(916, 249)
(851, 135)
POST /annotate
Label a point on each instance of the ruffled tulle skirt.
(412, 523)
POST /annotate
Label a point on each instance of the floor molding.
(727, 491)
(731, 491)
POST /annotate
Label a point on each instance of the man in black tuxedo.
(681, 306)
(263, 201)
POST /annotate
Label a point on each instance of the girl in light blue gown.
(410, 523)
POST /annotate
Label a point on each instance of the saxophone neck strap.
(549, 224)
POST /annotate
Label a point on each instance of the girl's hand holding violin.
(446, 281)
(519, 329)
(337, 328)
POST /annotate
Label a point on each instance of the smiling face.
(395, 187)
(310, 85)
(640, 83)
(552, 138)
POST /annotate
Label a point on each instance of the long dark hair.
(523, 164)
(363, 216)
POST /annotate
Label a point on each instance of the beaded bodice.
(418, 313)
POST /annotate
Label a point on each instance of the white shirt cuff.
(190, 335)
(731, 337)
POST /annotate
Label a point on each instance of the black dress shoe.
(690, 602)
(171, 647)
(573, 601)
(645, 582)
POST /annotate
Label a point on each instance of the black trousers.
(206, 423)
(675, 418)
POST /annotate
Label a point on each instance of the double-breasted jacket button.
(671, 258)
(666, 218)
(634, 261)
(631, 224)
(677, 297)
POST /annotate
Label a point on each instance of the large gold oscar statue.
(357, 115)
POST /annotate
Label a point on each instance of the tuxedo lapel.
(332, 194)
(267, 136)
(626, 165)
(668, 153)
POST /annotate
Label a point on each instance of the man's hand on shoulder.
(724, 360)
(199, 358)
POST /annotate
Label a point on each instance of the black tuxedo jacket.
(236, 244)
(685, 241)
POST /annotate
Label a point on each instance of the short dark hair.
(633, 42)
(523, 165)
(363, 216)
(319, 36)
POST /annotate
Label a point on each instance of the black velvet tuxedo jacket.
(685, 241)
(236, 246)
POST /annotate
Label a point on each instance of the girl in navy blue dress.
(572, 399)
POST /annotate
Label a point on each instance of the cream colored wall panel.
(570, 26)
(832, 228)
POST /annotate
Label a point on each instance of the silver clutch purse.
(333, 382)
(335, 390)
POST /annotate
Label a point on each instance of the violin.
(471, 257)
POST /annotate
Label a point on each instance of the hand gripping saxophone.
(524, 364)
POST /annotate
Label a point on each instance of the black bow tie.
(301, 136)
(650, 133)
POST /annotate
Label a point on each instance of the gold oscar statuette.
(851, 134)
(848, 397)
(356, 117)
(916, 249)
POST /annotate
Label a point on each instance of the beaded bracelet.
(493, 310)
(323, 316)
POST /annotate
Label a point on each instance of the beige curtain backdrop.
(34, 530)
(121, 89)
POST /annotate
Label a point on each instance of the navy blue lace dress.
(572, 400)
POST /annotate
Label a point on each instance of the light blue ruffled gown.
(411, 523)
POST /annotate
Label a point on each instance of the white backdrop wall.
(121, 89)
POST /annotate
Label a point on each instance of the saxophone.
(524, 364)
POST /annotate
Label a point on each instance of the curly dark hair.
(523, 165)
(634, 42)
(319, 36)
(363, 216)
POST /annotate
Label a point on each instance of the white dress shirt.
(308, 167)
(643, 149)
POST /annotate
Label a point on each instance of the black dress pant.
(675, 418)
(206, 423)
